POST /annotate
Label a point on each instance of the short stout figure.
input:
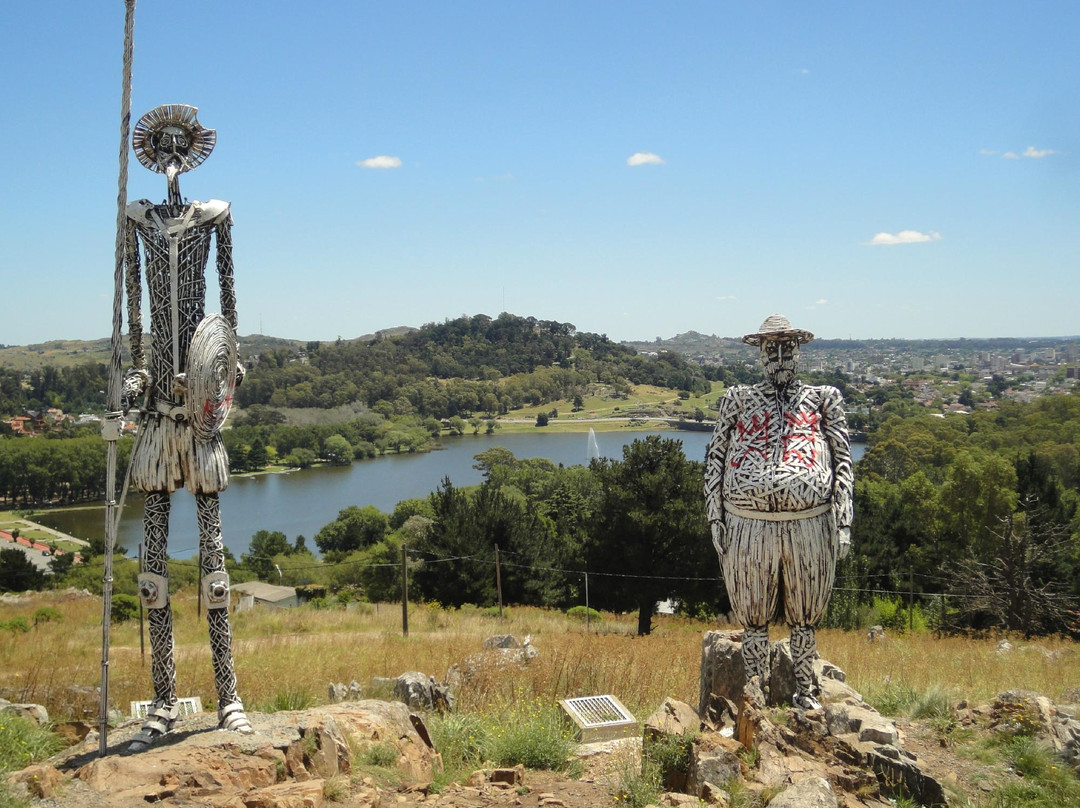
(778, 489)
(188, 382)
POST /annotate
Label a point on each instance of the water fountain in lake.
(593, 451)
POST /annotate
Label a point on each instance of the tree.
(1016, 588)
(18, 573)
(649, 534)
(301, 458)
(266, 544)
(338, 450)
(541, 419)
(354, 529)
(257, 455)
(407, 508)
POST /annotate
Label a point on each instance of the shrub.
(932, 703)
(22, 742)
(535, 736)
(16, 625)
(384, 755)
(459, 737)
(580, 612)
(124, 607)
(46, 614)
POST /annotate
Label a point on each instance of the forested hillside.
(460, 367)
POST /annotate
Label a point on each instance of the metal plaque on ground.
(186, 706)
(599, 718)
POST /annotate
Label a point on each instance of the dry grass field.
(286, 658)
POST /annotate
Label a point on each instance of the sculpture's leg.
(216, 596)
(755, 649)
(803, 654)
(809, 566)
(154, 592)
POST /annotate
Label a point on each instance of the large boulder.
(673, 717)
(421, 692)
(813, 792)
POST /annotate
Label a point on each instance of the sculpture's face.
(172, 145)
(780, 357)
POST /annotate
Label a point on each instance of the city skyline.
(896, 171)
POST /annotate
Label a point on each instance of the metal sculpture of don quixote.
(778, 489)
(181, 391)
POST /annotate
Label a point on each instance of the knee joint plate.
(216, 590)
(153, 590)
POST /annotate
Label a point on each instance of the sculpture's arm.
(715, 458)
(133, 288)
(223, 232)
(834, 426)
(136, 380)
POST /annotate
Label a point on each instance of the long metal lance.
(112, 423)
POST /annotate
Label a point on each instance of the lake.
(301, 502)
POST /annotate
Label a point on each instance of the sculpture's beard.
(781, 368)
(173, 166)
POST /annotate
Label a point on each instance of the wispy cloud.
(1031, 151)
(819, 302)
(903, 237)
(725, 297)
(644, 158)
(803, 71)
(380, 161)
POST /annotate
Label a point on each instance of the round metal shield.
(211, 376)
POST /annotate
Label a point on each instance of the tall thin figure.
(180, 442)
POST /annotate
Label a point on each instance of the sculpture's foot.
(232, 717)
(159, 720)
(804, 701)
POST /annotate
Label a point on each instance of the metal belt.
(778, 516)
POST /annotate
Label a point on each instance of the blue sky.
(638, 169)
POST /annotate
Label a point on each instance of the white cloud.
(803, 71)
(903, 237)
(987, 152)
(644, 159)
(381, 161)
(1011, 155)
(1031, 151)
(819, 302)
(725, 297)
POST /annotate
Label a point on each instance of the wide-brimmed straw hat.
(777, 326)
(181, 115)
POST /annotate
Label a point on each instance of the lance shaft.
(112, 425)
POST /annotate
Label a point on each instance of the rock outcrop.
(285, 763)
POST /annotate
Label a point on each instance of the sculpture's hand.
(135, 384)
(719, 537)
(845, 541)
(179, 384)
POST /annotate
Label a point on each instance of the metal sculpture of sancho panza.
(778, 489)
(189, 383)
